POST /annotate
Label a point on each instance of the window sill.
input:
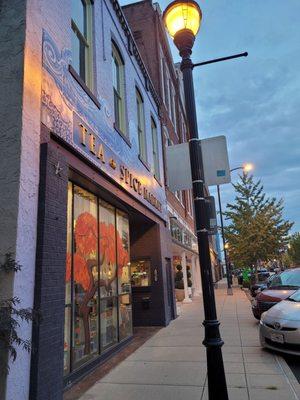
(146, 165)
(84, 86)
(123, 136)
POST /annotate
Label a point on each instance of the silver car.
(279, 327)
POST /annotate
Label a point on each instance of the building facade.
(145, 20)
(83, 202)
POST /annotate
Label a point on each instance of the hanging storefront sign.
(215, 164)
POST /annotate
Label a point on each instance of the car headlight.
(262, 318)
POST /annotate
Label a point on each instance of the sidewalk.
(172, 364)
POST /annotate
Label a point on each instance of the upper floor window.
(141, 125)
(81, 23)
(179, 196)
(162, 75)
(183, 131)
(155, 149)
(119, 89)
(189, 202)
(173, 109)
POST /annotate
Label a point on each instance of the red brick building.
(145, 21)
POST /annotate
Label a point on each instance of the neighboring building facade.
(145, 20)
(82, 189)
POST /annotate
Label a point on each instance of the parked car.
(261, 285)
(282, 286)
(279, 327)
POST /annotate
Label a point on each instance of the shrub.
(10, 317)
(179, 278)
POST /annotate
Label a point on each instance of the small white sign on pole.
(215, 164)
(215, 161)
(178, 167)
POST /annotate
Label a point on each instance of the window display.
(123, 252)
(85, 273)
(107, 245)
(109, 322)
(97, 247)
(140, 273)
(125, 316)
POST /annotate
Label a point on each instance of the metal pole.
(215, 60)
(217, 388)
(229, 288)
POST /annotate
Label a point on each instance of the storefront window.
(95, 250)
(107, 244)
(109, 322)
(123, 252)
(125, 316)
(140, 273)
(85, 273)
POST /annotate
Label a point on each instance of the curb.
(288, 373)
(295, 386)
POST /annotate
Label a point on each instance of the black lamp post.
(182, 20)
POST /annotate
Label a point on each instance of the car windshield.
(295, 296)
(287, 278)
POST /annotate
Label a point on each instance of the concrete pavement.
(172, 364)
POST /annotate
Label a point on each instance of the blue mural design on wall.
(62, 96)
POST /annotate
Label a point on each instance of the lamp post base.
(229, 291)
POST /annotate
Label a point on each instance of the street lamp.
(183, 20)
(246, 167)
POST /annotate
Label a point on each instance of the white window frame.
(85, 39)
(189, 202)
(119, 89)
(156, 164)
(162, 75)
(141, 124)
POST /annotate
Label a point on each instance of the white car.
(279, 327)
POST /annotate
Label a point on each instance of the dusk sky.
(254, 101)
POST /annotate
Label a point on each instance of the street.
(294, 364)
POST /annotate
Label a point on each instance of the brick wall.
(145, 22)
(48, 335)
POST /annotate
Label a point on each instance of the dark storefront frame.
(115, 298)
(59, 163)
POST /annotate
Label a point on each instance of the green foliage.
(179, 278)
(294, 249)
(189, 275)
(256, 229)
(11, 316)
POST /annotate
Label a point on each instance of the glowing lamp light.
(226, 246)
(248, 167)
(182, 16)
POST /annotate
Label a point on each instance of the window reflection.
(85, 272)
(109, 322)
(140, 273)
(107, 244)
(125, 316)
(123, 252)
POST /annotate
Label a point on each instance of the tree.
(294, 249)
(256, 229)
(10, 317)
